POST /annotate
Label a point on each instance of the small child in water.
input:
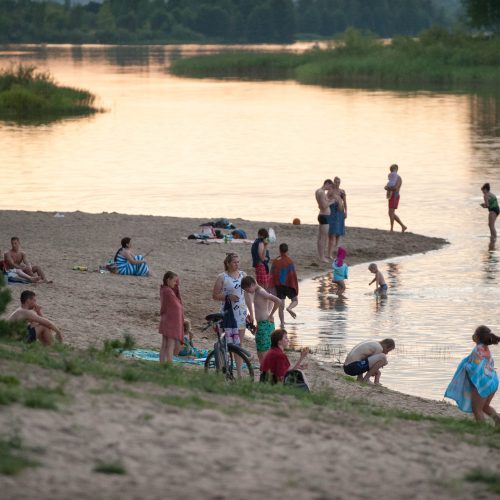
(392, 178)
(380, 284)
(340, 271)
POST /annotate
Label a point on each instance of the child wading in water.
(491, 203)
(380, 284)
(171, 317)
(340, 271)
(475, 382)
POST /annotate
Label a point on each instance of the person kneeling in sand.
(261, 301)
(17, 261)
(368, 357)
(39, 328)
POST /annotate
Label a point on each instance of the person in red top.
(276, 363)
(171, 317)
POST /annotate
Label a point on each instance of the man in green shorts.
(265, 305)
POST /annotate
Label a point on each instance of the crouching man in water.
(39, 328)
(368, 356)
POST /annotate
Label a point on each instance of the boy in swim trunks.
(380, 284)
(284, 279)
(368, 357)
(261, 303)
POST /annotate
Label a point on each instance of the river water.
(258, 150)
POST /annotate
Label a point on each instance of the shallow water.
(258, 150)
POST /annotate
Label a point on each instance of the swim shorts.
(383, 287)
(323, 219)
(357, 367)
(283, 291)
(496, 210)
(31, 337)
(263, 335)
(394, 200)
(261, 275)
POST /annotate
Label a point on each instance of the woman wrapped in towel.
(129, 264)
(475, 382)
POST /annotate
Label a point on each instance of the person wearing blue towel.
(129, 264)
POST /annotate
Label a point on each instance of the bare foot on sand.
(292, 314)
(403, 229)
(324, 259)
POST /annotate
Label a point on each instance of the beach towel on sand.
(476, 370)
(283, 273)
(151, 355)
(125, 268)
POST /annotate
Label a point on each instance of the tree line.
(225, 21)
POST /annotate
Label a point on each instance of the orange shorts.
(394, 200)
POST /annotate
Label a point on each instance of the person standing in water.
(394, 198)
(323, 218)
(491, 203)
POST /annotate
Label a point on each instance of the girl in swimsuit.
(491, 203)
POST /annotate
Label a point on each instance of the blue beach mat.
(151, 355)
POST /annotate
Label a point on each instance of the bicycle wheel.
(246, 366)
(211, 363)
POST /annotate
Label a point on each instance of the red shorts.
(394, 200)
(261, 275)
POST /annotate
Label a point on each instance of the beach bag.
(239, 234)
(295, 378)
(272, 235)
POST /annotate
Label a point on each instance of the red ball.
(296, 222)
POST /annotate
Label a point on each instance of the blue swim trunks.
(383, 287)
(357, 367)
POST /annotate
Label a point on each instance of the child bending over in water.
(491, 203)
(380, 284)
(340, 271)
(475, 382)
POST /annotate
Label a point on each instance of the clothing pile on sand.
(214, 230)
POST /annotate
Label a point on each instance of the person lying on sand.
(16, 259)
(368, 357)
(39, 328)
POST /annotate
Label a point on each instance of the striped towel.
(125, 268)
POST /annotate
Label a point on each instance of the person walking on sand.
(264, 313)
(323, 218)
(171, 317)
(285, 282)
(39, 327)
(394, 198)
(260, 257)
(368, 357)
(16, 258)
(380, 284)
(475, 382)
(491, 203)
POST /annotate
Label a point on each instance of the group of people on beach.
(252, 302)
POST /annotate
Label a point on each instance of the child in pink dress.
(171, 317)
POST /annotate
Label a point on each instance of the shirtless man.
(39, 328)
(265, 321)
(323, 218)
(16, 258)
(368, 356)
(394, 199)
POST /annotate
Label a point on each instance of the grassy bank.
(26, 94)
(436, 58)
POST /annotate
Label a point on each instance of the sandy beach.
(227, 447)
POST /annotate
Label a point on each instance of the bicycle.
(222, 357)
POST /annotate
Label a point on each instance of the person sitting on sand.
(261, 300)
(284, 280)
(171, 317)
(475, 382)
(16, 275)
(380, 284)
(491, 203)
(276, 366)
(368, 357)
(39, 328)
(129, 264)
(340, 271)
(260, 258)
(16, 259)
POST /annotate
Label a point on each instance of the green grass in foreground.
(26, 94)
(110, 468)
(437, 58)
(105, 364)
(12, 456)
(490, 479)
